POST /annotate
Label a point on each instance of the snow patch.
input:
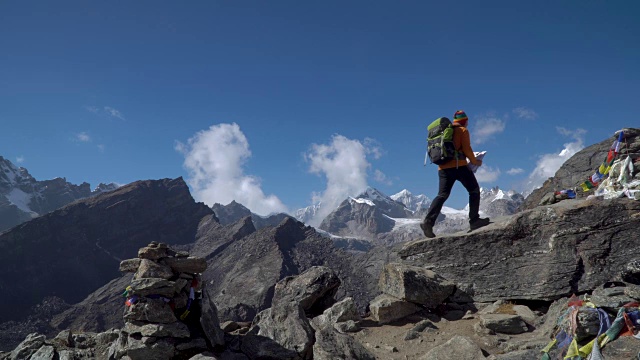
(363, 201)
(20, 199)
(404, 223)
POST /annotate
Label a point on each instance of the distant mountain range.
(375, 218)
(23, 198)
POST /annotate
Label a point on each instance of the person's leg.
(468, 180)
(446, 179)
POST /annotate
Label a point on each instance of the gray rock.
(176, 329)
(209, 319)
(181, 284)
(28, 347)
(610, 299)
(588, 324)
(525, 313)
(458, 348)
(520, 355)
(623, 348)
(415, 284)
(313, 289)
(191, 265)
(130, 265)
(411, 335)
(423, 325)
(197, 343)
(46, 352)
(152, 252)
(147, 348)
(504, 323)
(107, 337)
(288, 326)
(229, 326)
(386, 308)
(341, 311)
(348, 326)
(203, 356)
(331, 345)
(262, 347)
(631, 272)
(544, 250)
(632, 291)
(150, 310)
(153, 286)
(151, 269)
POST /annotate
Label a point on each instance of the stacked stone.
(165, 286)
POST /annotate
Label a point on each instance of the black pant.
(447, 178)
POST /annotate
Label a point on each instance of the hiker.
(457, 170)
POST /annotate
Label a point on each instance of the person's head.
(460, 118)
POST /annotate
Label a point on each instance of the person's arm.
(466, 148)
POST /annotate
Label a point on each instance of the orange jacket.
(462, 143)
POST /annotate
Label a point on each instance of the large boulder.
(313, 290)
(330, 345)
(549, 252)
(415, 284)
(209, 320)
(287, 325)
(342, 311)
(458, 348)
(386, 308)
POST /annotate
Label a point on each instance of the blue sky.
(278, 103)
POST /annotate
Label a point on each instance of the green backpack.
(440, 148)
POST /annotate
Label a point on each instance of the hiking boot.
(427, 230)
(479, 223)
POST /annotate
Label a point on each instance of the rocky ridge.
(23, 198)
(37, 257)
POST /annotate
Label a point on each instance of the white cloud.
(106, 111)
(215, 159)
(548, 164)
(515, 171)
(83, 137)
(20, 159)
(373, 147)
(344, 164)
(113, 112)
(92, 109)
(487, 174)
(486, 127)
(381, 177)
(525, 113)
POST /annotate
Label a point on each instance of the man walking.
(457, 170)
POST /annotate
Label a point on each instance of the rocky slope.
(72, 251)
(232, 212)
(22, 197)
(540, 254)
(582, 165)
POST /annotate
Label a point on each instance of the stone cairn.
(160, 302)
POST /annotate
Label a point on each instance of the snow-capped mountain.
(411, 202)
(388, 205)
(22, 197)
(306, 214)
(373, 216)
(496, 202)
